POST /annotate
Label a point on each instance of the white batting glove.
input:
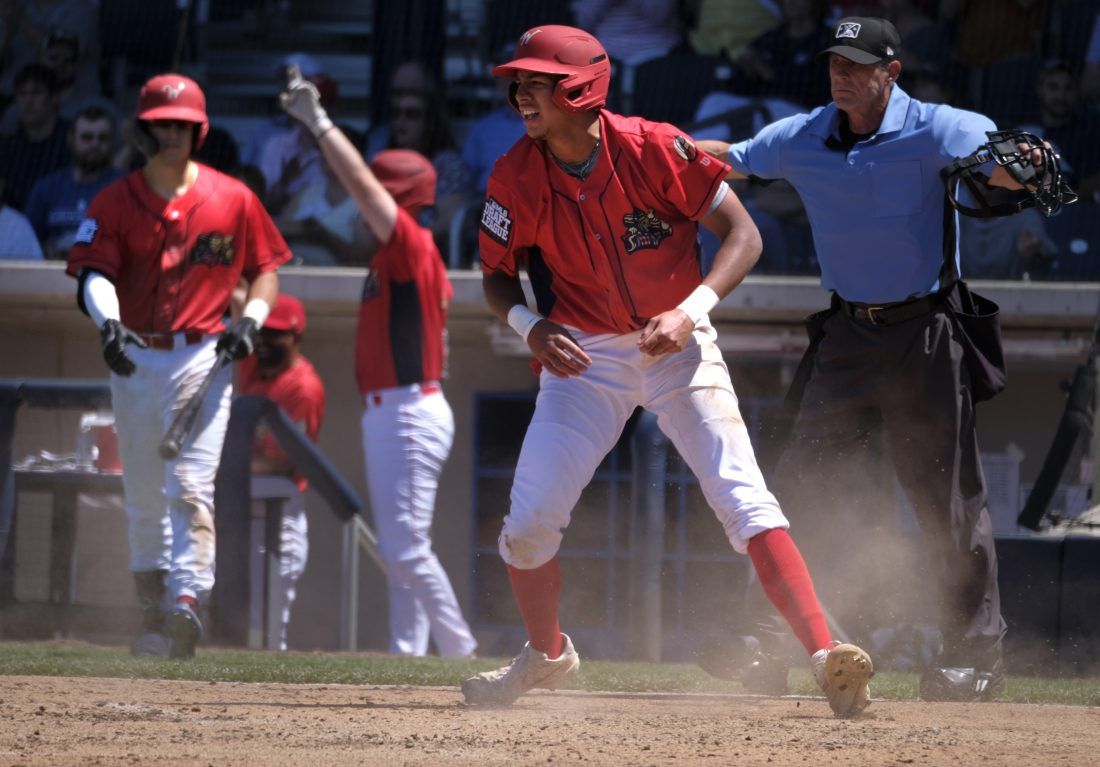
(302, 102)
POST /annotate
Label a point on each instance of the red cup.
(109, 460)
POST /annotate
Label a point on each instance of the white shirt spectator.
(17, 240)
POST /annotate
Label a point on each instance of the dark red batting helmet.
(572, 53)
(407, 175)
(174, 97)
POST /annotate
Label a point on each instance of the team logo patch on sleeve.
(496, 221)
(86, 232)
(685, 148)
(644, 230)
(213, 249)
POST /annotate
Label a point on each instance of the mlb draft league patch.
(849, 29)
(496, 221)
(684, 148)
(86, 233)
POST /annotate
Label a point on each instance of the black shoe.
(740, 659)
(184, 628)
(962, 683)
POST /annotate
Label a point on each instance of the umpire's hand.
(557, 350)
(113, 337)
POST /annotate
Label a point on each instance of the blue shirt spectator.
(489, 138)
(59, 200)
(17, 240)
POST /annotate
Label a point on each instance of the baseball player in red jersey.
(408, 427)
(157, 259)
(603, 212)
(279, 371)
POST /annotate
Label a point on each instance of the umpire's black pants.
(893, 394)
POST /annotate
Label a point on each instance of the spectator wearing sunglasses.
(59, 201)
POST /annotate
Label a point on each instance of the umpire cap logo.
(849, 29)
(644, 230)
(213, 249)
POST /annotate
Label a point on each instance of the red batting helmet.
(407, 175)
(567, 51)
(174, 97)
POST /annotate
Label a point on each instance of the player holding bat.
(157, 259)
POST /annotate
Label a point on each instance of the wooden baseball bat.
(169, 447)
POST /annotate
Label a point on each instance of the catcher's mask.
(1043, 186)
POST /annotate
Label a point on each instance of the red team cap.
(407, 175)
(174, 97)
(287, 315)
(567, 51)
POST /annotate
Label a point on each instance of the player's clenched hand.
(113, 337)
(557, 350)
(302, 101)
(666, 333)
(239, 340)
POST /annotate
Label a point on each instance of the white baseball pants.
(170, 504)
(407, 436)
(578, 420)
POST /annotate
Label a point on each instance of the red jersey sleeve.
(497, 239)
(689, 178)
(98, 239)
(408, 245)
(265, 248)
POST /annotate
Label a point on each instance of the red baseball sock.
(189, 601)
(537, 593)
(786, 581)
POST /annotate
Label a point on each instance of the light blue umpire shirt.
(877, 211)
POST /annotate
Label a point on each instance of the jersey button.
(582, 196)
(851, 161)
(598, 237)
(175, 214)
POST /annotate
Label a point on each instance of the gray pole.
(647, 538)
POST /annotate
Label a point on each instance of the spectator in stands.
(17, 243)
(61, 53)
(1070, 125)
(418, 121)
(408, 76)
(59, 200)
(1009, 248)
(279, 371)
(489, 137)
(1091, 77)
(28, 24)
(39, 146)
(779, 63)
(725, 27)
(632, 31)
(988, 31)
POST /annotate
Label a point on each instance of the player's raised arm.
(378, 208)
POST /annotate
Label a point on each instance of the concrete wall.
(42, 334)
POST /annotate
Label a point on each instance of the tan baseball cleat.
(843, 671)
(529, 670)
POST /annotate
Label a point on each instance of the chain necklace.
(580, 170)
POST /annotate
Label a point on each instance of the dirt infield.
(70, 721)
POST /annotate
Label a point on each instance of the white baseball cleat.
(529, 670)
(843, 671)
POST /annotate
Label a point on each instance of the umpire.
(887, 364)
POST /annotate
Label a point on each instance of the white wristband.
(522, 320)
(100, 299)
(320, 125)
(257, 309)
(699, 303)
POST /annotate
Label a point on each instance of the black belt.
(888, 314)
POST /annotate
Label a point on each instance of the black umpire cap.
(864, 40)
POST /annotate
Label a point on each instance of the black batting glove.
(113, 337)
(239, 340)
